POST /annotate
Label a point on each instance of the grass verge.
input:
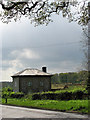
(79, 106)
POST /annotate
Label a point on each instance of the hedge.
(8, 92)
(60, 96)
(12, 94)
(16, 95)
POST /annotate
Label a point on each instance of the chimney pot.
(44, 69)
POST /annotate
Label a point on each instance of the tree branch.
(12, 6)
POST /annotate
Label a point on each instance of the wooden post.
(6, 100)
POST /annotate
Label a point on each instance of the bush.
(17, 94)
(78, 95)
(36, 97)
(8, 92)
(7, 89)
(12, 95)
(60, 96)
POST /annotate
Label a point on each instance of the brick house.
(32, 80)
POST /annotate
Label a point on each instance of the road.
(21, 112)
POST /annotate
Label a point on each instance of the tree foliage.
(6, 93)
(40, 11)
(71, 77)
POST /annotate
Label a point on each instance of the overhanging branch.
(14, 4)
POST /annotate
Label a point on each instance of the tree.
(86, 49)
(6, 93)
(40, 11)
(55, 79)
(88, 81)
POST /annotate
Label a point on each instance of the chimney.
(44, 69)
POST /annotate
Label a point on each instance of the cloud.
(7, 73)
(14, 63)
(25, 54)
(65, 66)
(10, 67)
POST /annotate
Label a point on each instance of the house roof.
(31, 72)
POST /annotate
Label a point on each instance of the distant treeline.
(71, 77)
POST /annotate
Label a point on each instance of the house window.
(29, 83)
(41, 83)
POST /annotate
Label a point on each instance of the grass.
(80, 106)
(71, 88)
(61, 86)
(57, 86)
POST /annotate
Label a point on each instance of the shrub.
(60, 96)
(7, 89)
(78, 94)
(36, 97)
(17, 94)
(8, 92)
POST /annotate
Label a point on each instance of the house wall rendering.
(16, 84)
(29, 84)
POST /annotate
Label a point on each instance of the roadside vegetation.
(79, 106)
(70, 99)
(73, 92)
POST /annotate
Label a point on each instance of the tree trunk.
(88, 82)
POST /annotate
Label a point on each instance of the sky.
(56, 46)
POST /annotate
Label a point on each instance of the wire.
(56, 44)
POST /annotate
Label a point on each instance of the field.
(79, 106)
(70, 86)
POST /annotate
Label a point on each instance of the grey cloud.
(57, 45)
